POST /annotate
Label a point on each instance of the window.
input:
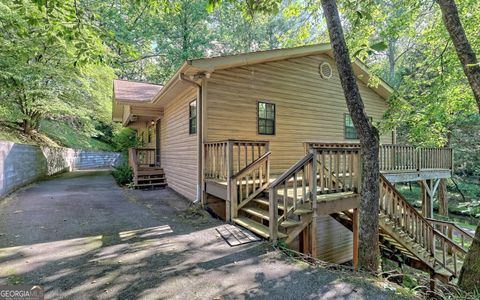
(266, 118)
(350, 130)
(192, 117)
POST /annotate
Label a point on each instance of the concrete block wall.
(22, 164)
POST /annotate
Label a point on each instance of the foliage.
(49, 58)
(70, 136)
(124, 139)
(123, 174)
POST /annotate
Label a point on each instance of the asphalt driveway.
(80, 236)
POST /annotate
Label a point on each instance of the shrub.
(124, 139)
(123, 174)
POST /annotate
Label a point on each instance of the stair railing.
(407, 219)
(250, 181)
(132, 162)
(304, 171)
(452, 231)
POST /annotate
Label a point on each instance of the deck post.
(228, 204)
(313, 227)
(355, 225)
(273, 214)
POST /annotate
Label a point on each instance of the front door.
(157, 143)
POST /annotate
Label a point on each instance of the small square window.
(192, 117)
(266, 118)
(349, 129)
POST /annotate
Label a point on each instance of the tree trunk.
(442, 198)
(465, 53)
(369, 139)
(469, 279)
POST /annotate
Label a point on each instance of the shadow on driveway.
(82, 237)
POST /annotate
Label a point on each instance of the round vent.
(325, 70)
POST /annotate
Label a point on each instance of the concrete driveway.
(82, 237)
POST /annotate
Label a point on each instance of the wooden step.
(256, 227)
(289, 223)
(158, 184)
(265, 202)
(302, 211)
(151, 178)
(257, 212)
(335, 196)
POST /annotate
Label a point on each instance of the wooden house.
(265, 140)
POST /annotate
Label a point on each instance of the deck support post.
(429, 188)
(228, 204)
(313, 227)
(355, 226)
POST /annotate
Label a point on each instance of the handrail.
(407, 204)
(419, 228)
(307, 188)
(451, 224)
(252, 165)
(241, 193)
(291, 170)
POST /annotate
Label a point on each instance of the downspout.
(185, 78)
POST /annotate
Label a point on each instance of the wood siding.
(334, 241)
(308, 108)
(179, 148)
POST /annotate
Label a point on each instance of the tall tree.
(468, 59)
(369, 140)
(469, 279)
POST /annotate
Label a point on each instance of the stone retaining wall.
(22, 164)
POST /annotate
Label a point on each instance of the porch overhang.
(133, 101)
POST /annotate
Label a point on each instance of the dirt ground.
(81, 236)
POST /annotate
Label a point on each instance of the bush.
(124, 139)
(123, 174)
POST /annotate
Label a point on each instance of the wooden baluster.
(444, 251)
(455, 262)
(295, 190)
(285, 198)
(246, 154)
(330, 170)
(304, 184)
(322, 170)
(350, 170)
(337, 170)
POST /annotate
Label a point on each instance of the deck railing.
(243, 165)
(249, 182)
(226, 158)
(405, 218)
(142, 157)
(402, 158)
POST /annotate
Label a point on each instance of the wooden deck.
(327, 182)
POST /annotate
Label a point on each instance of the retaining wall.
(22, 164)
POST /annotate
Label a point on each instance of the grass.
(69, 137)
(457, 214)
(54, 134)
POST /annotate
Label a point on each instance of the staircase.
(149, 177)
(319, 183)
(146, 173)
(407, 237)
